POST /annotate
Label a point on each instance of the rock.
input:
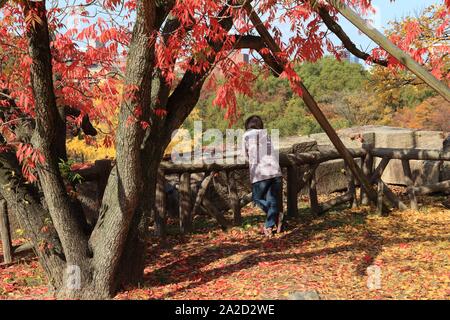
(304, 295)
(330, 177)
(305, 147)
(446, 203)
(445, 169)
(429, 139)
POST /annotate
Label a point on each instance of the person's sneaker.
(268, 232)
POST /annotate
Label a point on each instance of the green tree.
(273, 100)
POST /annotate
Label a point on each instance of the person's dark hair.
(254, 122)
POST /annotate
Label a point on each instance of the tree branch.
(346, 41)
(49, 137)
(257, 43)
(2, 3)
(32, 216)
(178, 105)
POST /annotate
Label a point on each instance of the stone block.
(429, 140)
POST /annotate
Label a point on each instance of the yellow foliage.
(78, 148)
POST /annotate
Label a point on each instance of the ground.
(329, 254)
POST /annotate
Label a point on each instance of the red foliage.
(86, 73)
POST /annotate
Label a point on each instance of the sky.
(386, 11)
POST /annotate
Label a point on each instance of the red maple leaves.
(89, 51)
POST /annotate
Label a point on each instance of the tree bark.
(33, 218)
(49, 139)
(123, 194)
(5, 232)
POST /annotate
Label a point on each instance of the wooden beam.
(391, 48)
(391, 197)
(306, 176)
(292, 191)
(211, 210)
(245, 200)
(5, 232)
(380, 196)
(411, 154)
(201, 192)
(185, 203)
(367, 164)
(27, 246)
(313, 200)
(286, 160)
(443, 186)
(410, 184)
(160, 205)
(281, 196)
(234, 199)
(328, 205)
(378, 172)
(313, 107)
(351, 188)
(280, 217)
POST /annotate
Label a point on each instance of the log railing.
(300, 168)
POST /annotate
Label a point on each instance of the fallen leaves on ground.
(328, 254)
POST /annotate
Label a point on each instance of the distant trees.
(432, 114)
(397, 89)
(349, 94)
(273, 99)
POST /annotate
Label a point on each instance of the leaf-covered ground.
(329, 254)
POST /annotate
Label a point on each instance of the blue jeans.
(265, 195)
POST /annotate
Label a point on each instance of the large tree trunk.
(33, 218)
(113, 255)
(49, 139)
(124, 191)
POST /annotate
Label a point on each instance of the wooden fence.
(301, 169)
(300, 162)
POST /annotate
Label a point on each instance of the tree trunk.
(94, 266)
(33, 218)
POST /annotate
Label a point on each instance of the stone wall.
(331, 177)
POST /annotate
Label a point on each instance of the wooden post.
(313, 201)
(380, 197)
(312, 105)
(292, 191)
(390, 196)
(378, 172)
(185, 203)
(367, 167)
(280, 196)
(160, 205)
(202, 191)
(5, 232)
(211, 209)
(324, 207)
(280, 218)
(234, 199)
(351, 188)
(387, 45)
(443, 186)
(410, 184)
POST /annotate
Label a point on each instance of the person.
(265, 171)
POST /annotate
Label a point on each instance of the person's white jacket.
(262, 157)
